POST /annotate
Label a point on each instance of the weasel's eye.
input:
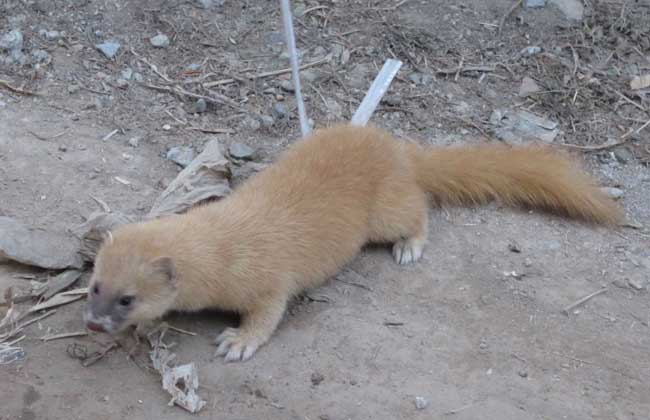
(126, 300)
(96, 289)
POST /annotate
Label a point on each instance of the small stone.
(72, 89)
(620, 284)
(40, 56)
(420, 78)
(531, 50)
(635, 284)
(528, 86)
(122, 84)
(287, 86)
(109, 48)
(534, 3)
(280, 110)
(523, 373)
(12, 41)
(166, 127)
(138, 77)
(572, 9)
(317, 378)
(613, 192)
(134, 142)
(208, 4)
(623, 155)
(160, 41)
(421, 403)
(251, 123)
(51, 35)
(345, 56)
(483, 345)
(528, 262)
(194, 67)
(181, 155)
(200, 106)
(266, 120)
(62, 148)
(126, 74)
(241, 151)
(514, 247)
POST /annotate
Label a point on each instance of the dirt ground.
(475, 328)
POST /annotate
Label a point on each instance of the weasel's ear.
(166, 267)
(107, 237)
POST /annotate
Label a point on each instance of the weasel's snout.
(93, 326)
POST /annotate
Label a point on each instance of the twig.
(393, 7)
(579, 302)
(213, 130)
(507, 15)
(593, 148)
(393, 323)
(221, 99)
(97, 356)
(7, 84)
(43, 138)
(647, 123)
(111, 134)
(153, 67)
(463, 69)
(180, 330)
(626, 99)
(178, 120)
(267, 73)
(587, 362)
(102, 204)
(64, 335)
(362, 286)
(458, 410)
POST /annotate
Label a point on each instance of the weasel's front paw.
(235, 345)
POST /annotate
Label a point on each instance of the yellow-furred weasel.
(295, 224)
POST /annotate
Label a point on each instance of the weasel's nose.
(93, 326)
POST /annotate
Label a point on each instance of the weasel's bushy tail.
(529, 177)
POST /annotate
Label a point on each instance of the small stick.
(153, 67)
(96, 357)
(178, 120)
(579, 302)
(626, 99)
(221, 99)
(47, 138)
(111, 134)
(362, 286)
(458, 410)
(182, 331)
(647, 123)
(7, 84)
(267, 74)
(64, 335)
(507, 15)
(101, 203)
(464, 69)
(213, 130)
(593, 148)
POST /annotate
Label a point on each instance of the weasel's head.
(131, 284)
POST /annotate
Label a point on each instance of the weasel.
(295, 224)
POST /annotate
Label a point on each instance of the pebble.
(523, 373)
(623, 155)
(40, 56)
(420, 78)
(613, 192)
(50, 35)
(392, 100)
(620, 284)
(266, 120)
(134, 142)
(345, 57)
(122, 84)
(317, 378)
(73, 89)
(280, 110)
(528, 86)
(310, 76)
(11, 41)
(287, 86)
(635, 284)
(127, 74)
(181, 155)
(532, 50)
(241, 151)
(572, 9)
(534, 3)
(166, 127)
(200, 106)
(108, 48)
(160, 41)
(514, 247)
(421, 403)
(207, 4)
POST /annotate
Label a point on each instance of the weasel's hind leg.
(401, 218)
(256, 327)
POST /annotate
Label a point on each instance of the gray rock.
(127, 73)
(613, 192)
(50, 35)
(420, 78)
(534, 3)
(160, 41)
(200, 106)
(514, 127)
(531, 50)
(37, 247)
(635, 284)
(280, 110)
(40, 56)
(72, 89)
(421, 403)
(134, 142)
(241, 151)
(194, 66)
(181, 155)
(208, 4)
(251, 123)
(310, 76)
(572, 9)
(287, 86)
(109, 48)
(624, 155)
(138, 77)
(122, 83)
(528, 87)
(266, 120)
(11, 41)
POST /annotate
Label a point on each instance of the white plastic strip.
(293, 59)
(377, 90)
